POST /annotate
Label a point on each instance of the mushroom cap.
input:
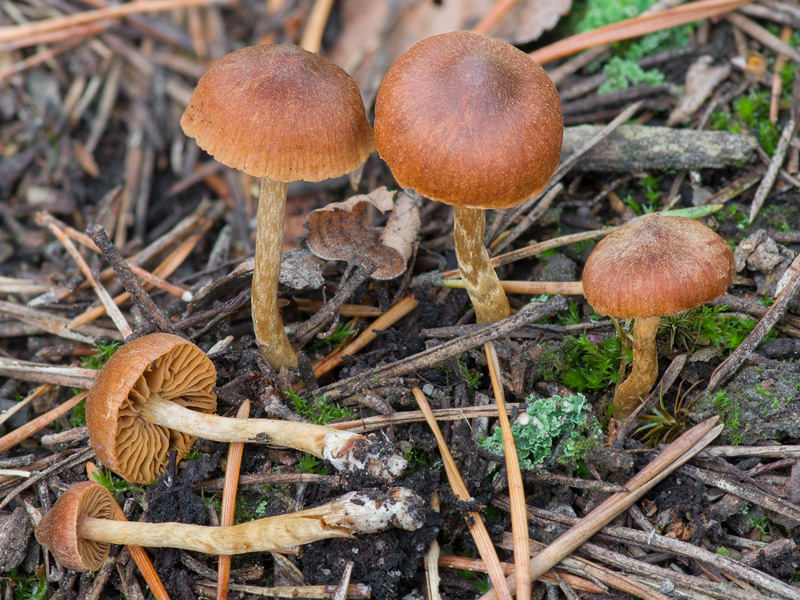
(162, 365)
(469, 121)
(657, 266)
(58, 529)
(280, 112)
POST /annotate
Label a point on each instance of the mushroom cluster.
(656, 266)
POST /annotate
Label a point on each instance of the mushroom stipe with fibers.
(283, 114)
(656, 266)
(78, 530)
(155, 394)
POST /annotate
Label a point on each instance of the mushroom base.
(644, 371)
(480, 279)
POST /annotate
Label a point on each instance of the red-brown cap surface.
(657, 266)
(159, 364)
(280, 112)
(470, 121)
(58, 529)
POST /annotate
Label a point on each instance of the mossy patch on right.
(762, 403)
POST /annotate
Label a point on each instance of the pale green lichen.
(556, 431)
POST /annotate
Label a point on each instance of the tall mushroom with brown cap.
(155, 394)
(79, 529)
(283, 114)
(656, 266)
(472, 122)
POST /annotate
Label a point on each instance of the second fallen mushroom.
(79, 529)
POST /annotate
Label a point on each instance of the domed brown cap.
(657, 266)
(162, 365)
(280, 112)
(469, 121)
(58, 529)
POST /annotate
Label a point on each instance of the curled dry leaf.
(528, 20)
(341, 231)
(701, 80)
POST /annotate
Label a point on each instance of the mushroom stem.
(262, 535)
(321, 441)
(644, 371)
(480, 278)
(272, 340)
(71, 533)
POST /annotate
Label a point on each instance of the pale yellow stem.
(480, 279)
(644, 371)
(314, 439)
(271, 337)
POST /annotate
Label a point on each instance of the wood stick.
(232, 468)
(108, 304)
(475, 523)
(675, 455)
(516, 489)
(17, 32)
(21, 433)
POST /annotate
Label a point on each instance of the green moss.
(708, 325)
(622, 73)
(730, 414)
(750, 114)
(621, 69)
(580, 363)
(23, 586)
(317, 410)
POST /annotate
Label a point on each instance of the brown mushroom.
(283, 114)
(79, 529)
(156, 394)
(472, 122)
(656, 266)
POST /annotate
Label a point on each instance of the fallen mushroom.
(79, 529)
(475, 123)
(283, 114)
(156, 395)
(656, 266)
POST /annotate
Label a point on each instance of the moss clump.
(582, 363)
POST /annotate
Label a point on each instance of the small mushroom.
(475, 123)
(283, 114)
(156, 394)
(79, 529)
(656, 266)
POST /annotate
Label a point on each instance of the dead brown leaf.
(341, 231)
